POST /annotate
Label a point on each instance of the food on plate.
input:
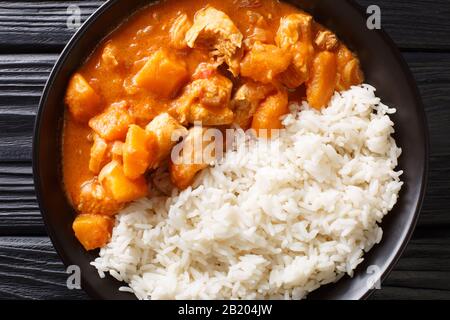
(183, 76)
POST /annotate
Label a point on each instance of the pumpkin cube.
(119, 186)
(81, 99)
(162, 74)
(113, 123)
(138, 149)
(93, 231)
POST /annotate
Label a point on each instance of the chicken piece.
(268, 116)
(210, 116)
(295, 35)
(138, 149)
(162, 74)
(214, 30)
(326, 41)
(93, 199)
(100, 154)
(258, 30)
(113, 123)
(81, 99)
(109, 54)
(299, 70)
(294, 28)
(177, 33)
(208, 96)
(321, 85)
(247, 99)
(167, 131)
(93, 231)
(213, 92)
(119, 186)
(192, 158)
(264, 62)
(348, 69)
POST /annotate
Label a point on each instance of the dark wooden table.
(33, 33)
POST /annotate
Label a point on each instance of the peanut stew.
(174, 63)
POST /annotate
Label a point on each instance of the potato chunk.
(93, 231)
(268, 115)
(94, 199)
(320, 87)
(113, 123)
(167, 131)
(138, 149)
(162, 74)
(122, 188)
(264, 62)
(81, 99)
(191, 160)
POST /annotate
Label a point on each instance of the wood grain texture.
(28, 26)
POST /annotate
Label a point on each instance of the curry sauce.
(174, 63)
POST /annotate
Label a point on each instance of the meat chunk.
(214, 30)
(348, 69)
(93, 231)
(94, 199)
(258, 30)
(326, 41)
(139, 148)
(100, 154)
(264, 62)
(113, 123)
(191, 159)
(321, 85)
(121, 188)
(167, 131)
(268, 115)
(81, 99)
(247, 99)
(178, 30)
(162, 74)
(109, 56)
(295, 35)
(206, 100)
(294, 28)
(210, 116)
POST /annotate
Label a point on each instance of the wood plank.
(28, 26)
(30, 269)
(22, 78)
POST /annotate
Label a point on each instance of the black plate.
(384, 68)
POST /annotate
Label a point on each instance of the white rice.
(264, 224)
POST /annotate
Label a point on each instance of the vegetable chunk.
(113, 123)
(320, 87)
(94, 199)
(264, 62)
(81, 99)
(162, 74)
(122, 188)
(268, 115)
(93, 231)
(138, 149)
